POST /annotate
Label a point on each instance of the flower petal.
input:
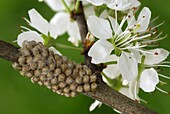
(100, 50)
(120, 5)
(29, 36)
(53, 31)
(134, 90)
(57, 5)
(144, 19)
(155, 56)
(134, 3)
(131, 20)
(99, 27)
(148, 80)
(61, 21)
(123, 5)
(125, 91)
(115, 25)
(128, 66)
(96, 2)
(94, 105)
(38, 22)
(74, 33)
(110, 58)
(136, 54)
(112, 71)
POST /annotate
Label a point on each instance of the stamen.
(161, 75)
(134, 8)
(26, 20)
(134, 47)
(14, 41)
(22, 27)
(155, 40)
(161, 90)
(165, 62)
(120, 26)
(157, 25)
(149, 29)
(158, 35)
(136, 91)
(142, 37)
(125, 42)
(144, 101)
(121, 36)
(161, 66)
(154, 19)
(162, 82)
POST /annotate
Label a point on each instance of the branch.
(8, 51)
(104, 93)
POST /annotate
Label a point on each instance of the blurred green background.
(19, 96)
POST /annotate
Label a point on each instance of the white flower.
(40, 24)
(63, 21)
(120, 41)
(149, 77)
(94, 105)
(147, 82)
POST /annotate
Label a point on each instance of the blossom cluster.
(126, 41)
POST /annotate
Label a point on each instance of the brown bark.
(8, 51)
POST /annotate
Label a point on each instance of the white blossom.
(64, 22)
(120, 41)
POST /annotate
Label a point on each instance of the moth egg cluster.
(55, 72)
